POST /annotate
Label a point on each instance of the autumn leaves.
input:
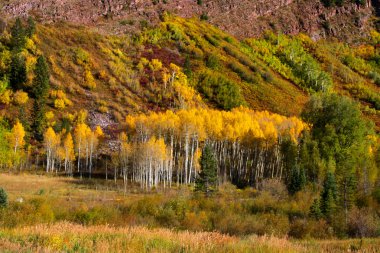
(60, 147)
(166, 146)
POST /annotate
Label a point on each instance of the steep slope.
(183, 63)
(243, 18)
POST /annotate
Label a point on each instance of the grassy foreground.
(69, 237)
(57, 215)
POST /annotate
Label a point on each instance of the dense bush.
(243, 59)
(3, 198)
(363, 223)
(243, 72)
(220, 90)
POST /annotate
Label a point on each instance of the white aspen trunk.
(191, 161)
(79, 152)
(171, 161)
(91, 154)
(87, 154)
(186, 155)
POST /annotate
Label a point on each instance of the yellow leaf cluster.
(240, 124)
(17, 136)
(61, 100)
(59, 103)
(89, 79)
(5, 97)
(20, 97)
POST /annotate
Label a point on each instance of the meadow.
(59, 214)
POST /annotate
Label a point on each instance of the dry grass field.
(58, 235)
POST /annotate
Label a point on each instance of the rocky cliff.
(243, 18)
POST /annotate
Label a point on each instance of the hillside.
(112, 76)
(243, 18)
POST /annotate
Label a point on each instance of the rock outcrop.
(243, 18)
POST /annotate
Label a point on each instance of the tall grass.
(76, 238)
(68, 237)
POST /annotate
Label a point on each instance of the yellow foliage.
(187, 95)
(5, 60)
(103, 109)
(49, 115)
(83, 57)
(102, 75)
(51, 139)
(155, 65)
(365, 51)
(82, 132)
(82, 116)
(375, 37)
(30, 62)
(305, 38)
(17, 136)
(56, 69)
(61, 94)
(59, 103)
(29, 45)
(5, 98)
(89, 79)
(240, 124)
(20, 97)
(68, 145)
(157, 149)
(98, 131)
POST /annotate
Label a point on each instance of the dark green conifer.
(18, 74)
(31, 28)
(329, 195)
(18, 36)
(3, 198)
(297, 180)
(40, 92)
(207, 179)
(315, 209)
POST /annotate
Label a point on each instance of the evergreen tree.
(297, 180)
(206, 181)
(289, 150)
(347, 192)
(39, 119)
(31, 29)
(187, 67)
(41, 83)
(18, 36)
(309, 158)
(315, 209)
(342, 136)
(18, 74)
(3, 198)
(40, 92)
(338, 127)
(302, 178)
(329, 195)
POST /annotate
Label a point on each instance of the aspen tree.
(246, 144)
(51, 142)
(93, 141)
(17, 141)
(17, 136)
(124, 153)
(80, 137)
(68, 145)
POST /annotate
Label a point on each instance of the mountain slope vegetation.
(127, 74)
(277, 111)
